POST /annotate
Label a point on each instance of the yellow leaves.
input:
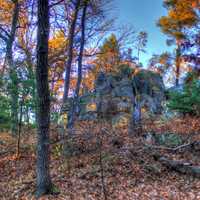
(184, 15)
(5, 11)
(58, 41)
(91, 107)
(6, 8)
(5, 4)
(58, 85)
(88, 80)
(57, 58)
(181, 14)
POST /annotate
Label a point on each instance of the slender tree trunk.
(20, 127)
(31, 75)
(44, 184)
(136, 115)
(14, 101)
(12, 69)
(178, 55)
(70, 52)
(80, 60)
(27, 115)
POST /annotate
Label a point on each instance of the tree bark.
(70, 52)
(178, 55)
(135, 125)
(20, 127)
(44, 184)
(80, 60)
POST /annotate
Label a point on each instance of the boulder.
(150, 85)
(124, 88)
(88, 106)
(123, 104)
(103, 84)
(89, 116)
(114, 96)
(104, 105)
(121, 120)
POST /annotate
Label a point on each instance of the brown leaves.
(130, 172)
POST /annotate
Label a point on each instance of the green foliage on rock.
(125, 70)
(186, 101)
(168, 139)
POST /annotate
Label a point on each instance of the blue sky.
(143, 14)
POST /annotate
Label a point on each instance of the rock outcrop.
(114, 96)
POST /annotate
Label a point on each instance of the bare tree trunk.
(20, 127)
(70, 52)
(136, 115)
(44, 184)
(12, 69)
(178, 55)
(27, 115)
(80, 60)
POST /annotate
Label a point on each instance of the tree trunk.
(136, 113)
(31, 75)
(44, 184)
(14, 101)
(12, 69)
(70, 52)
(20, 127)
(80, 60)
(178, 55)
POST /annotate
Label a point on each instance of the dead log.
(179, 166)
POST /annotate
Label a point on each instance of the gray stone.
(114, 95)
(121, 120)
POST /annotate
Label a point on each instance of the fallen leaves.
(130, 172)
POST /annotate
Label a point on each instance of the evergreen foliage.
(186, 101)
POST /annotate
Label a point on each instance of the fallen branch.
(179, 166)
(181, 147)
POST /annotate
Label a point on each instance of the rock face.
(151, 88)
(115, 94)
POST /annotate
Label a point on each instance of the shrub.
(186, 101)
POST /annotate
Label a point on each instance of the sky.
(143, 14)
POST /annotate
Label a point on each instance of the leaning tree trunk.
(80, 60)
(13, 89)
(44, 184)
(70, 52)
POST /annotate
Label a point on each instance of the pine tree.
(181, 15)
(109, 55)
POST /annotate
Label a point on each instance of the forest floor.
(111, 165)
